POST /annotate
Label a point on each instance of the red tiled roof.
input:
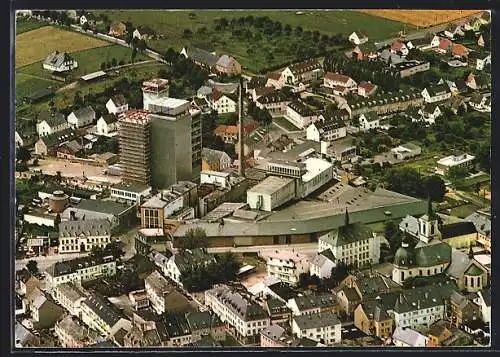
(273, 75)
(397, 45)
(445, 44)
(263, 90)
(337, 77)
(367, 86)
(459, 50)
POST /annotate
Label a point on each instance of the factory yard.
(50, 166)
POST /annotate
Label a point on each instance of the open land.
(422, 18)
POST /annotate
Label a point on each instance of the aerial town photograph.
(252, 179)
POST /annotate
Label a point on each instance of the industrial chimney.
(241, 156)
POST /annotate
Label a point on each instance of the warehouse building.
(271, 193)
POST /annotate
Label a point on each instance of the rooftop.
(271, 185)
(317, 320)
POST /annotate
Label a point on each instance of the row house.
(222, 102)
(83, 235)
(73, 334)
(274, 102)
(385, 105)
(70, 296)
(244, 317)
(324, 328)
(326, 129)
(156, 287)
(99, 314)
(300, 115)
(312, 304)
(48, 145)
(287, 266)
(373, 318)
(302, 72)
(339, 82)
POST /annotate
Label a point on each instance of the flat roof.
(94, 75)
(108, 207)
(315, 167)
(215, 173)
(168, 102)
(271, 184)
(131, 187)
(453, 160)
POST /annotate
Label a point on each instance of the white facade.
(435, 98)
(321, 267)
(223, 105)
(80, 122)
(319, 172)
(271, 193)
(430, 117)
(357, 39)
(66, 298)
(366, 124)
(105, 129)
(134, 196)
(330, 81)
(408, 338)
(113, 109)
(156, 287)
(485, 308)
(44, 129)
(329, 335)
(95, 322)
(297, 119)
(318, 134)
(81, 274)
(465, 161)
(62, 68)
(420, 316)
(83, 243)
(215, 178)
(361, 252)
(287, 266)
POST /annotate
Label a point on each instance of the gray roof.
(108, 312)
(411, 146)
(274, 332)
(224, 61)
(158, 283)
(55, 139)
(202, 56)
(72, 145)
(409, 224)
(460, 263)
(423, 297)
(370, 116)
(57, 59)
(70, 266)
(321, 259)
(482, 223)
(486, 295)
(176, 325)
(409, 336)
(85, 113)
(347, 234)
(457, 229)
(77, 331)
(190, 259)
(71, 291)
(132, 187)
(52, 119)
(315, 301)
(234, 301)
(211, 155)
(438, 89)
(432, 253)
(276, 306)
(317, 320)
(107, 207)
(203, 320)
(22, 334)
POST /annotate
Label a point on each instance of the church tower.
(428, 224)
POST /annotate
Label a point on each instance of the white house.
(50, 123)
(334, 80)
(300, 114)
(430, 112)
(222, 103)
(399, 47)
(420, 307)
(117, 104)
(436, 93)
(464, 160)
(83, 20)
(406, 337)
(157, 287)
(453, 30)
(287, 265)
(215, 178)
(358, 37)
(369, 120)
(405, 151)
(485, 303)
(326, 130)
(69, 296)
(322, 264)
(133, 193)
(59, 62)
(320, 327)
(83, 235)
(480, 102)
(100, 314)
(366, 89)
(81, 117)
(107, 125)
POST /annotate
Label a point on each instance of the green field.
(252, 53)
(464, 211)
(25, 25)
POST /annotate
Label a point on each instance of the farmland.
(254, 50)
(422, 18)
(33, 46)
(25, 25)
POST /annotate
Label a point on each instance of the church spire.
(471, 252)
(346, 217)
(430, 211)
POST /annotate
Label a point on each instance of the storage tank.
(58, 201)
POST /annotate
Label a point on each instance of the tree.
(114, 249)
(103, 66)
(187, 33)
(456, 173)
(114, 62)
(405, 180)
(32, 267)
(134, 54)
(228, 266)
(170, 55)
(97, 252)
(435, 187)
(339, 273)
(77, 100)
(194, 238)
(393, 235)
(22, 154)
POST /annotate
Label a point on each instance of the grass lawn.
(472, 181)
(33, 46)
(27, 84)
(465, 210)
(25, 25)
(285, 124)
(252, 53)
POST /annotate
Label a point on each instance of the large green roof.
(474, 270)
(432, 254)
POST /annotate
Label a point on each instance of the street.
(305, 248)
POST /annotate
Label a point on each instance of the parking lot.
(50, 166)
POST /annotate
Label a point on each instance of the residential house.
(78, 270)
(117, 104)
(436, 93)
(320, 327)
(143, 33)
(99, 314)
(300, 115)
(274, 79)
(70, 296)
(223, 103)
(348, 298)
(200, 57)
(463, 160)
(214, 160)
(322, 264)
(326, 129)
(352, 243)
(69, 150)
(430, 112)
(444, 46)
(358, 37)
(205, 324)
(372, 318)
(480, 41)
(258, 92)
(50, 123)
(246, 317)
(406, 151)
(438, 332)
(177, 330)
(107, 125)
(277, 310)
(453, 30)
(365, 52)
(369, 120)
(485, 304)
(483, 228)
(406, 337)
(459, 51)
(44, 311)
(72, 334)
(157, 287)
(228, 65)
(117, 29)
(255, 82)
(302, 72)
(366, 89)
(229, 133)
(81, 117)
(336, 80)
(410, 68)
(476, 82)
(59, 62)
(275, 336)
(83, 235)
(399, 47)
(183, 261)
(463, 310)
(479, 60)
(83, 20)
(287, 265)
(274, 102)
(312, 304)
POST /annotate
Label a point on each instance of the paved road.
(303, 248)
